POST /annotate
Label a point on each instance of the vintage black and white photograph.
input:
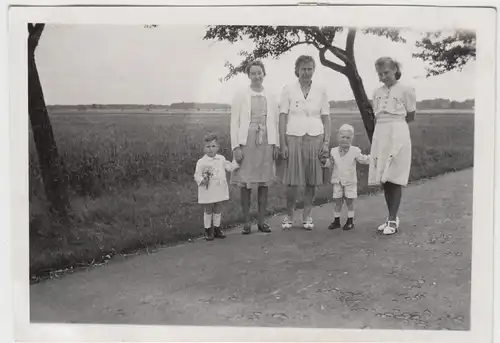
(253, 175)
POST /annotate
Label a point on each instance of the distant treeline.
(427, 104)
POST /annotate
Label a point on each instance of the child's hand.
(204, 182)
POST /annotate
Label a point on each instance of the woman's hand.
(238, 154)
(276, 152)
(325, 150)
(284, 151)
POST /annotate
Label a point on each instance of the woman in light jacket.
(255, 143)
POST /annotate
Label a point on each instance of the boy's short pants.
(349, 191)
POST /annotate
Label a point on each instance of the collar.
(344, 150)
(394, 85)
(252, 92)
(216, 157)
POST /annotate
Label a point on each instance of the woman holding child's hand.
(255, 141)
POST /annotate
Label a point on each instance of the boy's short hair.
(346, 128)
(211, 136)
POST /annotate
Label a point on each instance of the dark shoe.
(264, 228)
(349, 225)
(247, 229)
(218, 233)
(209, 234)
(335, 224)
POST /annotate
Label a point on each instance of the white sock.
(217, 217)
(350, 214)
(336, 214)
(207, 220)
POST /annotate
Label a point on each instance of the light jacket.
(240, 118)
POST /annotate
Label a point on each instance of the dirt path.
(419, 278)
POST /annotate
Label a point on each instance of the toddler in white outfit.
(343, 160)
(210, 176)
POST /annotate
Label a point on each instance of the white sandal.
(382, 226)
(390, 230)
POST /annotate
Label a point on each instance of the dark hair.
(393, 64)
(303, 59)
(209, 137)
(255, 63)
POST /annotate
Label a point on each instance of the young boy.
(344, 178)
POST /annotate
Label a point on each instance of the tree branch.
(349, 45)
(330, 64)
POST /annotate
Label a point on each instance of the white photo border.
(481, 20)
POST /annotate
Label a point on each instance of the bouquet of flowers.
(207, 174)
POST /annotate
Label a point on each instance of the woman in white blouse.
(304, 126)
(254, 141)
(394, 105)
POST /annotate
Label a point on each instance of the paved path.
(419, 278)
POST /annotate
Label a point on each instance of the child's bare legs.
(350, 207)
(339, 202)
(207, 221)
(217, 215)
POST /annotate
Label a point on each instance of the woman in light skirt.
(394, 106)
(255, 142)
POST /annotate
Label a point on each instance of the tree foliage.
(446, 52)
(274, 41)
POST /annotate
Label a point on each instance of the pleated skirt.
(303, 166)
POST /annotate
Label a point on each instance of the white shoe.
(287, 223)
(308, 224)
(383, 226)
(391, 229)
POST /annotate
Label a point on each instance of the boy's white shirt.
(344, 167)
(207, 161)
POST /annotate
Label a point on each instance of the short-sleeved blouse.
(304, 114)
(394, 101)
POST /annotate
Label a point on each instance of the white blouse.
(304, 115)
(396, 101)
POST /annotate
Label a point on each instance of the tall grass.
(131, 185)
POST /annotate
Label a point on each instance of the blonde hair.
(346, 128)
(392, 63)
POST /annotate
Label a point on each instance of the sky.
(116, 64)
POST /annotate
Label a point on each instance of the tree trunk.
(48, 157)
(364, 105)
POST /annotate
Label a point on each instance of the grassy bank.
(130, 179)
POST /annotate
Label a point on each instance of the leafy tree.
(274, 41)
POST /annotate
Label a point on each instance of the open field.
(130, 178)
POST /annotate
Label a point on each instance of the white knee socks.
(207, 220)
(217, 219)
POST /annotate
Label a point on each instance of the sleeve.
(363, 159)
(235, 121)
(325, 105)
(197, 173)
(284, 105)
(410, 99)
